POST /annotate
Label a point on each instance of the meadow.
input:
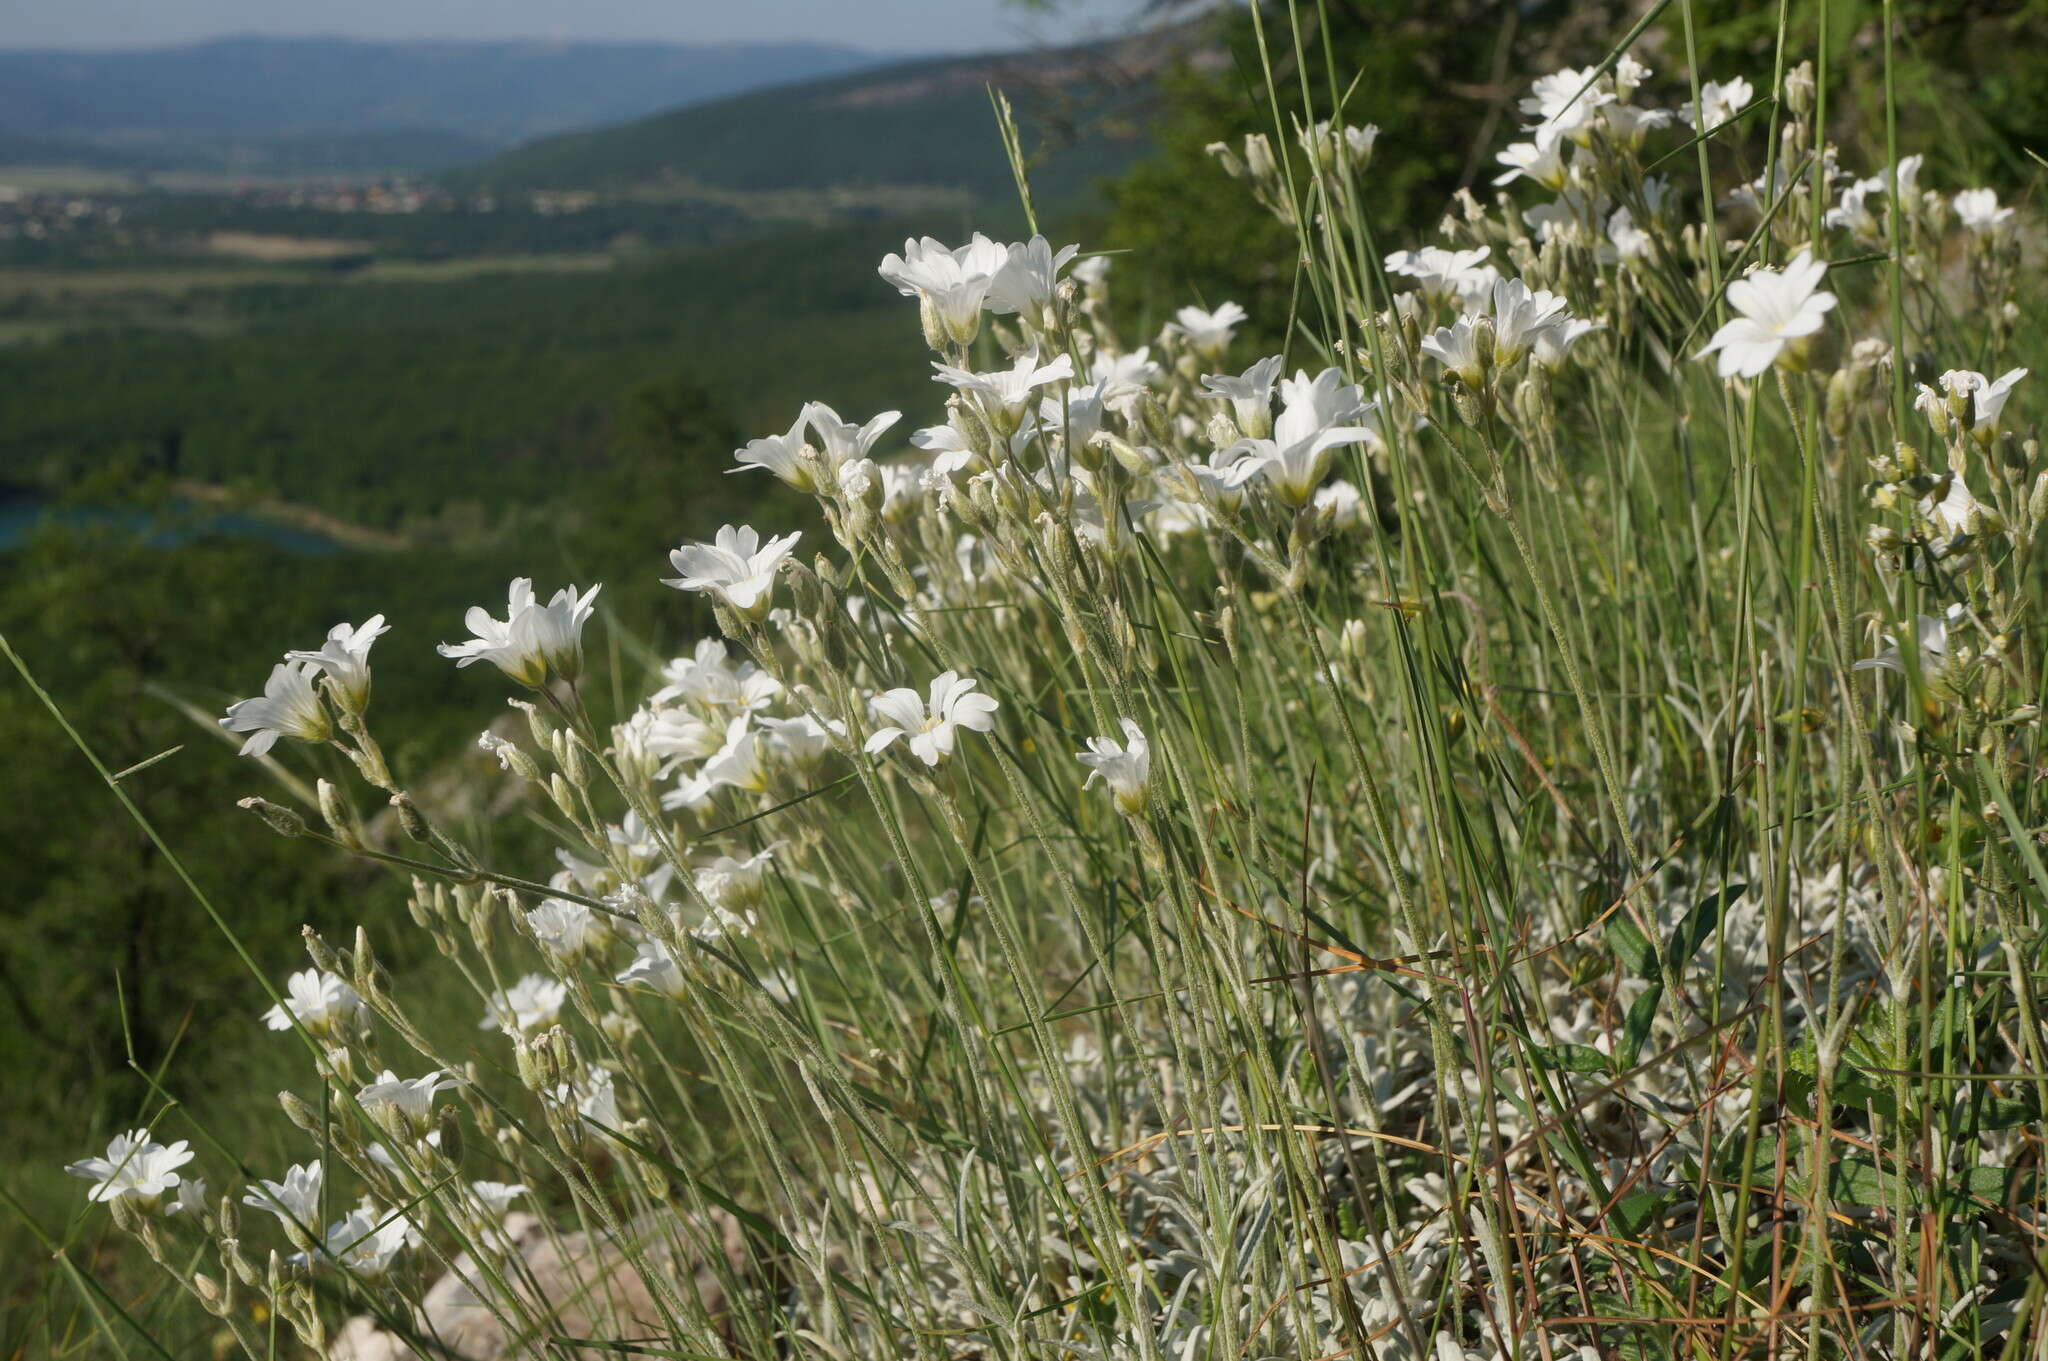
(1480, 808)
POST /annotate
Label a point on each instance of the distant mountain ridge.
(925, 123)
(240, 96)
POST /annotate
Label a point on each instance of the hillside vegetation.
(921, 123)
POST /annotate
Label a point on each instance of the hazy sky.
(887, 25)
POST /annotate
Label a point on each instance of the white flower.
(533, 640)
(1208, 333)
(1125, 768)
(953, 284)
(1317, 417)
(1093, 271)
(189, 1198)
(296, 1199)
(410, 1100)
(531, 1003)
(1342, 504)
(1006, 392)
(1521, 317)
(288, 707)
(736, 567)
(136, 1167)
(1562, 105)
(1719, 102)
(1250, 395)
(1627, 124)
(567, 930)
(1220, 480)
(497, 1196)
(1025, 283)
(931, 725)
(1444, 275)
(1933, 637)
(707, 678)
(1965, 391)
(732, 883)
(1777, 307)
(1553, 343)
(1541, 161)
(1629, 241)
(842, 442)
(782, 455)
(594, 1100)
(1120, 377)
(801, 742)
(363, 1244)
(1456, 347)
(345, 657)
(320, 1001)
(1978, 210)
(1959, 511)
(653, 966)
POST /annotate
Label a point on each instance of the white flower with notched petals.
(345, 658)
(288, 707)
(497, 1196)
(953, 284)
(931, 724)
(1342, 503)
(653, 967)
(136, 1168)
(1630, 242)
(320, 1001)
(1628, 124)
(1521, 316)
(1554, 343)
(1126, 767)
(532, 641)
(1025, 283)
(1978, 211)
(1445, 275)
(732, 883)
(1250, 395)
(1719, 101)
(1219, 480)
(528, 1005)
(1317, 417)
(841, 442)
(189, 1199)
(788, 456)
(1208, 333)
(408, 1100)
(1541, 161)
(802, 743)
(1982, 399)
(296, 1199)
(1006, 392)
(1933, 638)
(1778, 308)
(735, 566)
(365, 1244)
(1566, 103)
(567, 930)
(1456, 347)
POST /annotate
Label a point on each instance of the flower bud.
(282, 820)
(339, 817)
(409, 818)
(299, 1113)
(323, 955)
(449, 1125)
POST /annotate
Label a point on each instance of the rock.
(582, 1284)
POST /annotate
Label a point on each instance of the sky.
(880, 25)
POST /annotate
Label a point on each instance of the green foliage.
(494, 393)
